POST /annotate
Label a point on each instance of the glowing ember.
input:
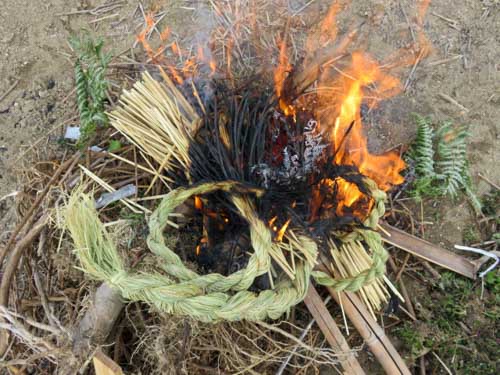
(198, 204)
(203, 241)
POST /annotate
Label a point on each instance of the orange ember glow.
(198, 204)
(203, 241)
(348, 198)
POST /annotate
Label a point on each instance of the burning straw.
(210, 297)
(295, 166)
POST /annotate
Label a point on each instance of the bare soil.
(36, 61)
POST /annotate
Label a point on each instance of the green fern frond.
(423, 150)
(91, 84)
(452, 158)
(440, 160)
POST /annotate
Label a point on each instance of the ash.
(299, 159)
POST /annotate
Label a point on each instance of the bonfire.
(272, 181)
(277, 180)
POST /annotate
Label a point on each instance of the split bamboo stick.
(428, 251)
(368, 328)
(332, 332)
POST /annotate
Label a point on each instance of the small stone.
(51, 84)
(43, 93)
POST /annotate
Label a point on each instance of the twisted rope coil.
(181, 291)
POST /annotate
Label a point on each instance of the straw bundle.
(158, 120)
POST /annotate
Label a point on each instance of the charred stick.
(404, 291)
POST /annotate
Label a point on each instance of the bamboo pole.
(368, 328)
(428, 251)
(372, 333)
(332, 332)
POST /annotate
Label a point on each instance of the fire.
(280, 74)
(338, 197)
(281, 232)
(198, 203)
(342, 89)
(203, 241)
(346, 83)
(350, 144)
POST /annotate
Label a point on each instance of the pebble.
(43, 93)
(51, 84)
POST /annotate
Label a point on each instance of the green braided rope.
(372, 239)
(182, 291)
(212, 297)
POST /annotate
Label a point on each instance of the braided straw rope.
(372, 239)
(212, 297)
(182, 291)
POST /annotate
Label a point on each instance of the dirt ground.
(37, 99)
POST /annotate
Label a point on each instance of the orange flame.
(281, 232)
(280, 74)
(349, 200)
(203, 240)
(347, 134)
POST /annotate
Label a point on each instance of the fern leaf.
(91, 84)
(452, 158)
(423, 151)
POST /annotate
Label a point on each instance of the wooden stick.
(103, 365)
(449, 99)
(372, 333)
(332, 332)
(10, 270)
(430, 252)
(9, 90)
